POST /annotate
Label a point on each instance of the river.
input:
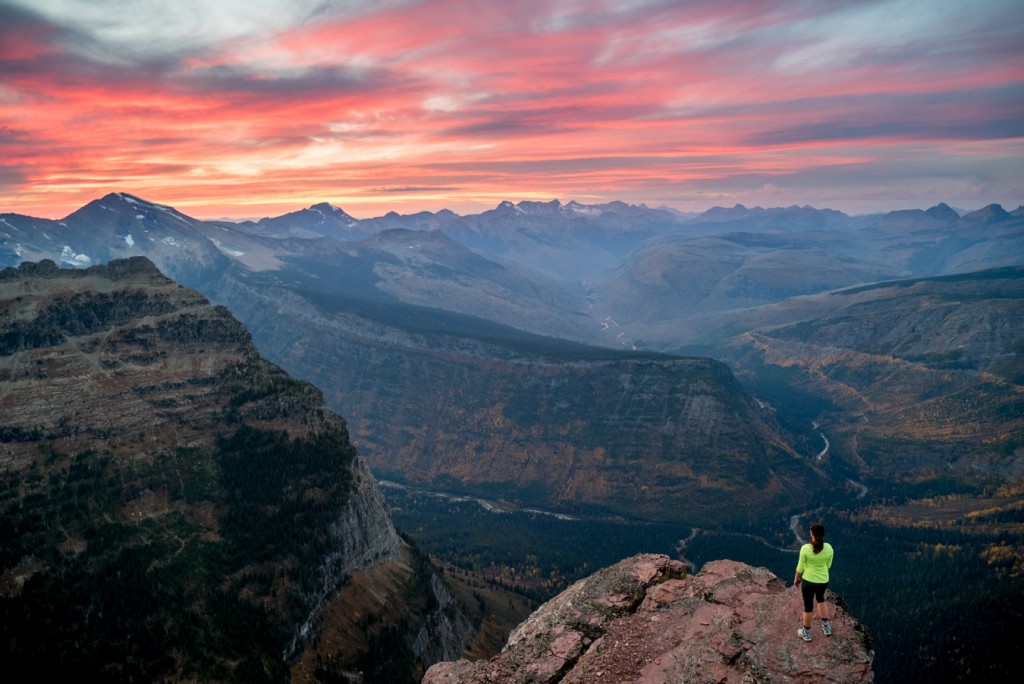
(486, 504)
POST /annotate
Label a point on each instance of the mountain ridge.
(174, 506)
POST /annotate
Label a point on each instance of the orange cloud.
(434, 103)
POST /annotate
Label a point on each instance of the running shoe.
(826, 628)
(804, 633)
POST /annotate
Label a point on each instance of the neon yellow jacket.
(813, 567)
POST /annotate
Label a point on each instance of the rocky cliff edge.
(644, 621)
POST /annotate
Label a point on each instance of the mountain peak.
(943, 212)
(530, 207)
(123, 202)
(992, 212)
(128, 200)
(329, 208)
(643, 619)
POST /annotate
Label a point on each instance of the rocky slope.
(643, 620)
(173, 506)
(912, 378)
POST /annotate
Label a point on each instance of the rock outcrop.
(643, 620)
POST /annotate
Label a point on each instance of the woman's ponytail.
(818, 537)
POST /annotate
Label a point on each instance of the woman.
(812, 578)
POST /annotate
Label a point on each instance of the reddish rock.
(641, 621)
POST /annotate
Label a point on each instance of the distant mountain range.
(584, 272)
(445, 339)
(610, 274)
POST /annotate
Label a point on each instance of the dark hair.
(818, 537)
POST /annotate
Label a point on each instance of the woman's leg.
(807, 590)
(819, 596)
(826, 626)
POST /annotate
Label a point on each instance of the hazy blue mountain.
(610, 273)
(116, 226)
(319, 220)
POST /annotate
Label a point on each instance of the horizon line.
(962, 211)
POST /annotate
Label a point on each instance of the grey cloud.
(66, 55)
(13, 135)
(980, 114)
(314, 82)
(11, 177)
(908, 130)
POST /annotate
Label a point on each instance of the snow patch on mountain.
(68, 256)
(509, 205)
(575, 207)
(173, 242)
(226, 250)
(347, 220)
(130, 240)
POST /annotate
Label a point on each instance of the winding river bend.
(505, 508)
(486, 504)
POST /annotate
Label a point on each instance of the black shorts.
(812, 590)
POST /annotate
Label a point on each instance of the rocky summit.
(644, 620)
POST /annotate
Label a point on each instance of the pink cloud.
(646, 101)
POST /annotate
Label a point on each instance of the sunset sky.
(253, 108)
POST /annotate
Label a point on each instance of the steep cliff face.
(643, 620)
(364, 537)
(173, 505)
(387, 624)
